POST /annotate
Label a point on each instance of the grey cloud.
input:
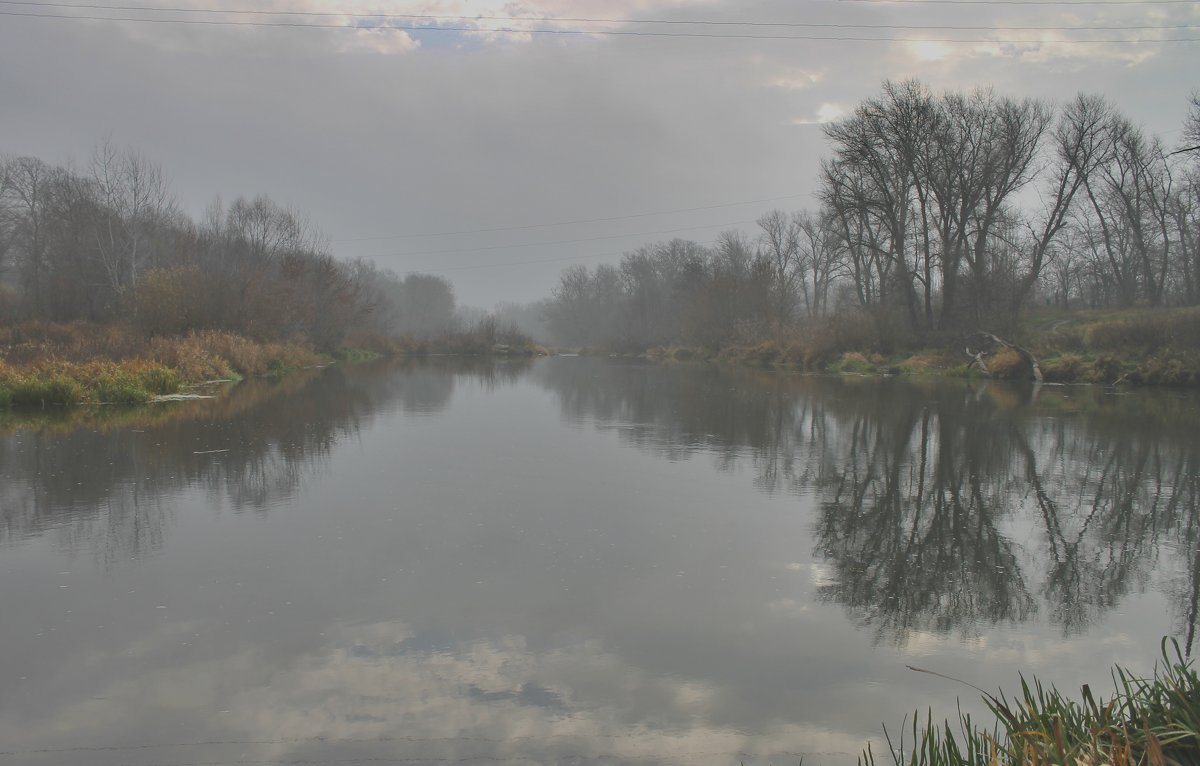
(499, 133)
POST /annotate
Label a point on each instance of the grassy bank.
(44, 364)
(1153, 721)
(1143, 346)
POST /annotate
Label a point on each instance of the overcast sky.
(377, 133)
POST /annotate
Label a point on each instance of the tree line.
(109, 243)
(936, 212)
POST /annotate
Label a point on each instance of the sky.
(497, 142)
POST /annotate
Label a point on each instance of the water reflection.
(106, 480)
(943, 506)
(450, 560)
(377, 692)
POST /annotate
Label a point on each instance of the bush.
(190, 359)
(1106, 369)
(1147, 332)
(1168, 368)
(120, 387)
(924, 364)
(165, 300)
(853, 362)
(33, 391)
(157, 379)
(1008, 364)
(1067, 368)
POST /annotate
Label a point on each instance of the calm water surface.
(576, 561)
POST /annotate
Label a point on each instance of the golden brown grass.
(212, 355)
(44, 363)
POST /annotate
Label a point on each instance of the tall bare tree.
(136, 198)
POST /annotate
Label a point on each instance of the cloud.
(827, 112)
(795, 79)
(374, 688)
(407, 132)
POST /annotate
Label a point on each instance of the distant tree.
(426, 306)
(779, 242)
(28, 204)
(134, 199)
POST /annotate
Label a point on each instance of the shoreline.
(1146, 347)
(46, 365)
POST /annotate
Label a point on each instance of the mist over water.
(577, 560)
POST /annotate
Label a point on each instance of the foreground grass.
(1153, 721)
(1141, 346)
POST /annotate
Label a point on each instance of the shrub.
(36, 391)
(1067, 368)
(1105, 369)
(120, 387)
(1008, 364)
(165, 299)
(1147, 332)
(1169, 369)
(853, 362)
(189, 358)
(923, 364)
(158, 379)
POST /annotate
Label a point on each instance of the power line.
(455, 251)
(570, 223)
(1026, 2)
(587, 20)
(583, 33)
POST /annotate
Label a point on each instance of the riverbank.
(1152, 721)
(43, 364)
(1141, 346)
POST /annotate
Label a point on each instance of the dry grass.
(1146, 332)
(55, 382)
(46, 363)
(211, 355)
(1149, 721)
(1008, 364)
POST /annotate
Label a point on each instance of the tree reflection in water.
(106, 482)
(938, 506)
(942, 506)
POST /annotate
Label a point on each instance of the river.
(576, 561)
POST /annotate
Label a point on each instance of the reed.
(1147, 722)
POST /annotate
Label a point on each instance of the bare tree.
(135, 196)
(818, 260)
(779, 237)
(29, 181)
